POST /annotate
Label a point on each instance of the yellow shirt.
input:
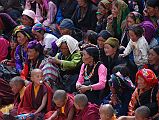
(36, 89)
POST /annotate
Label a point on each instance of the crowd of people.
(79, 59)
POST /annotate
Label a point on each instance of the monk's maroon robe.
(90, 112)
(29, 104)
(63, 116)
(6, 94)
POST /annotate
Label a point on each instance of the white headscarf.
(70, 41)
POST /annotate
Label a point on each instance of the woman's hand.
(78, 87)
(84, 88)
(54, 60)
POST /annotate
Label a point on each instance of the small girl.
(138, 45)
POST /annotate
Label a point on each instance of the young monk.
(64, 106)
(107, 112)
(141, 113)
(37, 96)
(18, 86)
(85, 110)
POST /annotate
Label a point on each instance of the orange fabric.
(132, 103)
(36, 89)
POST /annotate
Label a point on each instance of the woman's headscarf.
(35, 45)
(38, 27)
(148, 75)
(118, 82)
(25, 30)
(104, 34)
(137, 17)
(70, 41)
(123, 12)
(106, 4)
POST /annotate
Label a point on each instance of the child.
(107, 112)
(64, 104)
(18, 86)
(141, 113)
(36, 96)
(138, 45)
(85, 110)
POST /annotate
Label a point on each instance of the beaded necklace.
(86, 76)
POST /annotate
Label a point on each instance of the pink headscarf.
(4, 44)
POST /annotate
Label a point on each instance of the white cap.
(29, 13)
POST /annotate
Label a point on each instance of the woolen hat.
(113, 42)
(29, 13)
(67, 23)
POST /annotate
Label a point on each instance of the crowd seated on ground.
(79, 59)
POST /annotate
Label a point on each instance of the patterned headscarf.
(38, 27)
(138, 18)
(148, 75)
(118, 82)
(35, 45)
(24, 30)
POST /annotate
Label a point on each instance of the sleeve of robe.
(25, 106)
(92, 113)
(75, 60)
(132, 103)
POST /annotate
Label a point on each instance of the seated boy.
(64, 106)
(37, 95)
(141, 113)
(85, 110)
(18, 86)
(107, 112)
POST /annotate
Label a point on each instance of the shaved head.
(34, 71)
(143, 112)
(18, 81)
(107, 109)
(81, 100)
(60, 95)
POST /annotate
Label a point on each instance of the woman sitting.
(92, 76)
(69, 61)
(145, 93)
(121, 88)
(153, 58)
(23, 36)
(35, 57)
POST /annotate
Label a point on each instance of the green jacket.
(73, 61)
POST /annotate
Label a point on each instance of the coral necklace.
(86, 76)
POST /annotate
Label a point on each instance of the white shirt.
(140, 50)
